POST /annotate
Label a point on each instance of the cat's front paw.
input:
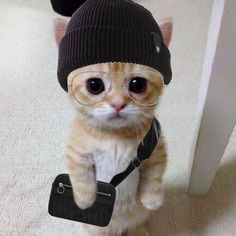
(84, 197)
(152, 200)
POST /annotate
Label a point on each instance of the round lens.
(138, 85)
(144, 87)
(88, 88)
(95, 86)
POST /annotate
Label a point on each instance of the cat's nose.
(119, 105)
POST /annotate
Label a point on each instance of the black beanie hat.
(102, 31)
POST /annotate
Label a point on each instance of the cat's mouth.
(117, 116)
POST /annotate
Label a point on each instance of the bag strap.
(144, 151)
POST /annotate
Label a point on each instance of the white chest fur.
(112, 158)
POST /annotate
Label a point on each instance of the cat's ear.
(166, 27)
(59, 26)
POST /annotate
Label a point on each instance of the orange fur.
(142, 191)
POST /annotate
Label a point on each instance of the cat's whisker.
(145, 114)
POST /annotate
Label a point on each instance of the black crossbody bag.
(61, 202)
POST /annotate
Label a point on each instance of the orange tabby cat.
(103, 140)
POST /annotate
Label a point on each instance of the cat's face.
(117, 98)
(104, 113)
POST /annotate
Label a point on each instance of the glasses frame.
(73, 75)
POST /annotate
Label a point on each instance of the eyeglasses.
(89, 88)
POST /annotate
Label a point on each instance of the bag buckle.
(136, 162)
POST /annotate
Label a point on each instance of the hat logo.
(157, 41)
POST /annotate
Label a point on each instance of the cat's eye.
(95, 86)
(138, 85)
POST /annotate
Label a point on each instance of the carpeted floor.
(35, 116)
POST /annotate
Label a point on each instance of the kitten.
(101, 145)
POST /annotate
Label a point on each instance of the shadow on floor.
(184, 215)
